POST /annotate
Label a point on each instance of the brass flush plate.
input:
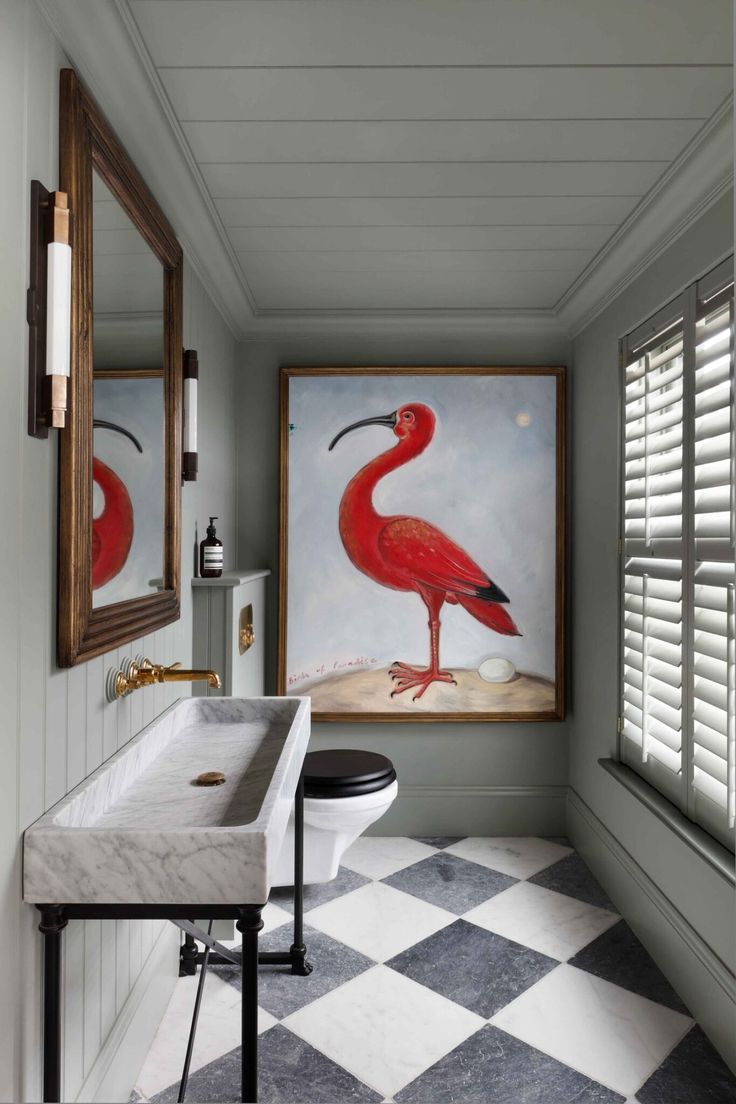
(246, 634)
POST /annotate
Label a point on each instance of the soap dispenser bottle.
(210, 553)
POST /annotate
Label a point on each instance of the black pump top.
(346, 773)
(211, 531)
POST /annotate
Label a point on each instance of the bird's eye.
(408, 416)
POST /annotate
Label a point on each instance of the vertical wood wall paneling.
(57, 725)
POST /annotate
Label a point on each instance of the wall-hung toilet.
(344, 793)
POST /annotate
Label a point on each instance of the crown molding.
(695, 180)
(446, 325)
(103, 44)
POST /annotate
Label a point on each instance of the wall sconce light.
(49, 305)
(191, 377)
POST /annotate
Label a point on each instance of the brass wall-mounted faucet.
(142, 672)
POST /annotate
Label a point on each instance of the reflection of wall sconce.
(191, 376)
(49, 307)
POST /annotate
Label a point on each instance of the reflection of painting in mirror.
(128, 465)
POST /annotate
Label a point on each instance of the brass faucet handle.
(142, 672)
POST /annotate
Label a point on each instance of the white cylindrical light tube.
(58, 308)
(189, 451)
(190, 415)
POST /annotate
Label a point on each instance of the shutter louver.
(653, 486)
(652, 717)
(714, 453)
(714, 686)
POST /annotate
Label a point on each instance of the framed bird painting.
(422, 543)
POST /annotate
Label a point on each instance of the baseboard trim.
(718, 970)
(124, 1050)
(475, 811)
(679, 950)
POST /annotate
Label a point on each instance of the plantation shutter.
(653, 530)
(712, 775)
(713, 781)
(678, 713)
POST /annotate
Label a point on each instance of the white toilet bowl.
(364, 787)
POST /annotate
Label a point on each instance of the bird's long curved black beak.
(382, 419)
(98, 423)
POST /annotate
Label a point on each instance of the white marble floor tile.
(384, 1028)
(548, 922)
(519, 856)
(378, 921)
(274, 917)
(611, 1035)
(218, 1032)
(379, 856)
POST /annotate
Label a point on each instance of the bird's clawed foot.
(407, 677)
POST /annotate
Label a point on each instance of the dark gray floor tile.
(694, 1073)
(290, 1071)
(438, 841)
(345, 882)
(571, 876)
(478, 969)
(494, 1066)
(280, 992)
(450, 882)
(618, 956)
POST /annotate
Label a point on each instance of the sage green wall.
(682, 909)
(56, 725)
(458, 779)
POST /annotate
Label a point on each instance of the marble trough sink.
(139, 831)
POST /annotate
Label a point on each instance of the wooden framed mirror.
(120, 452)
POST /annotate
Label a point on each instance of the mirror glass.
(128, 469)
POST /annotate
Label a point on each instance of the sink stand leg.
(188, 956)
(52, 925)
(249, 925)
(298, 951)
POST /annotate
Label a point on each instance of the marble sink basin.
(140, 831)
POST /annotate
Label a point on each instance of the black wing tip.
(492, 593)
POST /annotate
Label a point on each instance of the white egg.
(497, 670)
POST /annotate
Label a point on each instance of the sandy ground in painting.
(368, 692)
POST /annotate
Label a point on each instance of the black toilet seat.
(346, 773)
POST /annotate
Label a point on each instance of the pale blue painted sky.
(484, 480)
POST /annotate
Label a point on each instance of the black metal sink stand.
(54, 918)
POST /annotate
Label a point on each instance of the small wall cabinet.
(229, 626)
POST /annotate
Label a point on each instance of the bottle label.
(213, 557)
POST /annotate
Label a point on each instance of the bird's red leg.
(407, 677)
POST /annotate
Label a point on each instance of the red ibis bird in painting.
(112, 529)
(408, 553)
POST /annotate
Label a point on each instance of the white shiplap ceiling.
(463, 165)
(383, 155)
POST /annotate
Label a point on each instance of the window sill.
(709, 849)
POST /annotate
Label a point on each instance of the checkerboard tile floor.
(476, 971)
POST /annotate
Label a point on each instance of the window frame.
(681, 314)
